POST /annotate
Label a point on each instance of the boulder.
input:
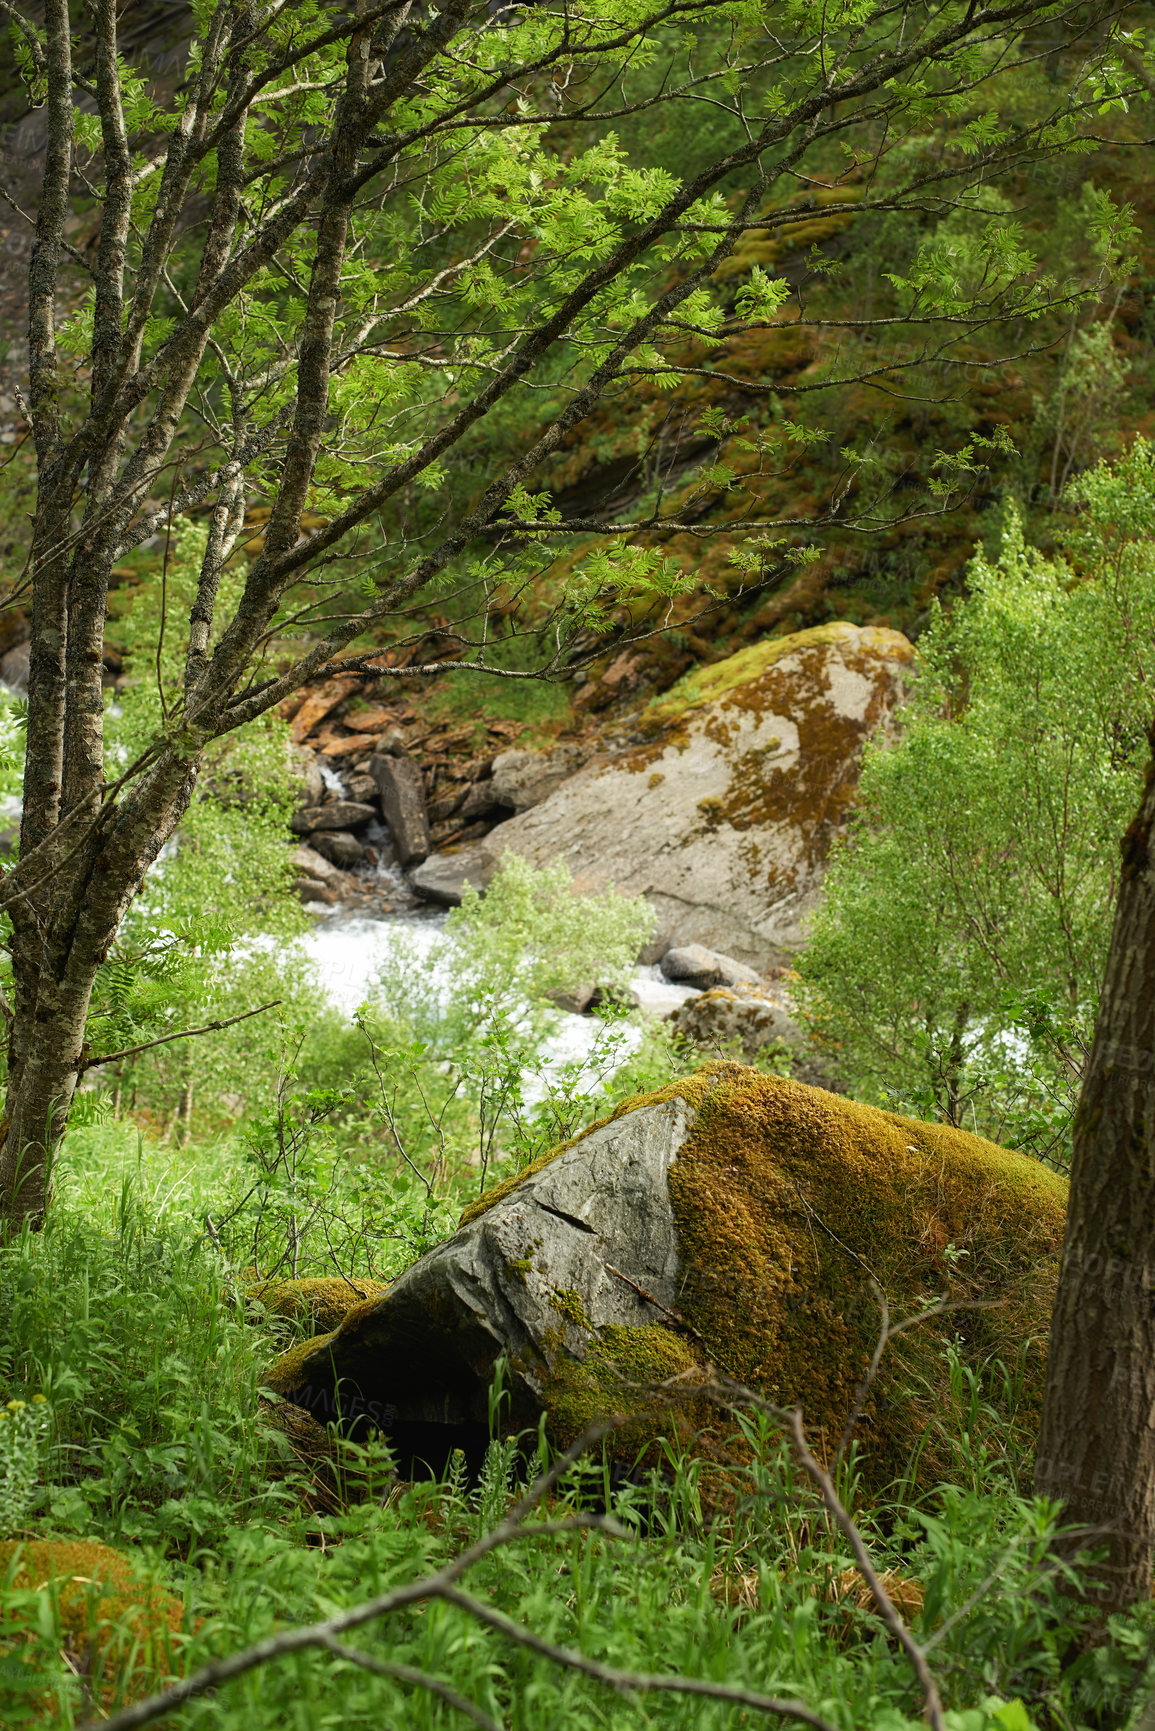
(337, 845)
(313, 890)
(734, 1222)
(402, 792)
(723, 818)
(335, 814)
(361, 787)
(99, 1612)
(739, 1016)
(481, 801)
(443, 876)
(322, 1302)
(695, 965)
(311, 864)
(522, 779)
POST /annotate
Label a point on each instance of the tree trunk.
(1097, 1441)
(63, 932)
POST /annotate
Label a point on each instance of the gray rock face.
(481, 801)
(14, 667)
(443, 876)
(337, 814)
(723, 820)
(337, 845)
(402, 794)
(533, 1274)
(522, 779)
(740, 1016)
(695, 965)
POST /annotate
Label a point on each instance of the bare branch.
(167, 1039)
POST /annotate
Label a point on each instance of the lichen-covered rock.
(115, 1627)
(723, 820)
(739, 1017)
(733, 1219)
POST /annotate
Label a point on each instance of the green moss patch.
(788, 1202)
(708, 684)
(322, 1303)
(621, 1373)
(789, 1199)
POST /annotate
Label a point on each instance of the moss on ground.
(113, 1627)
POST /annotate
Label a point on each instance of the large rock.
(732, 1219)
(337, 845)
(695, 965)
(402, 793)
(444, 876)
(723, 820)
(738, 1017)
(522, 779)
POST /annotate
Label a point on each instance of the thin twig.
(165, 1039)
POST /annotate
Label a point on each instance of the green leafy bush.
(955, 963)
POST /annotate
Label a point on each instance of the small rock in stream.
(337, 814)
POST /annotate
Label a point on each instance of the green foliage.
(730, 1574)
(22, 1429)
(956, 961)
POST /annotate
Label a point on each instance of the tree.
(956, 961)
(1096, 1451)
(359, 260)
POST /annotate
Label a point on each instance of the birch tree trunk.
(1096, 1451)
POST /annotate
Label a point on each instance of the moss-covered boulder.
(319, 1302)
(722, 816)
(736, 1220)
(91, 1606)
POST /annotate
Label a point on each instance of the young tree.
(955, 963)
(357, 255)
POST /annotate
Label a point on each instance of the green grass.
(126, 1315)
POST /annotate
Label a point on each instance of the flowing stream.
(350, 946)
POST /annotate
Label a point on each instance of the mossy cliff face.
(733, 1220)
(723, 817)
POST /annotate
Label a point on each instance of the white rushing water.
(350, 953)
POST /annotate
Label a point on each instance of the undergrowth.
(125, 1315)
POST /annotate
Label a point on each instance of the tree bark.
(63, 933)
(1096, 1450)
